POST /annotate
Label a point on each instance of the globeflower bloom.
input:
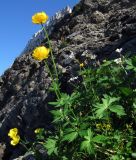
(39, 18)
(81, 65)
(40, 53)
(37, 130)
(13, 132)
(15, 138)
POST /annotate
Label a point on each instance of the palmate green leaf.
(99, 110)
(70, 136)
(65, 99)
(118, 109)
(108, 100)
(88, 145)
(51, 147)
(102, 109)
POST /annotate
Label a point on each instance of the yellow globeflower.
(41, 53)
(13, 132)
(81, 65)
(39, 18)
(15, 140)
(37, 130)
(108, 127)
(98, 125)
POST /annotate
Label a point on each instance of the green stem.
(22, 143)
(52, 57)
(48, 70)
(72, 112)
(84, 83)
(51, 77)
(124, 69)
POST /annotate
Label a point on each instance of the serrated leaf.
(119, 110)
(87, 146)
(108, 100)
(58, 115)
(99, 111)
(70, 137)
(99, 138)
(50, 145)
(102, 109)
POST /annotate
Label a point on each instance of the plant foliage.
(97, 121)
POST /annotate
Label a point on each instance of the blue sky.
(16, 27)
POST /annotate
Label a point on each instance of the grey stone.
(93, 31)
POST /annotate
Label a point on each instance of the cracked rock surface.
(90, 34)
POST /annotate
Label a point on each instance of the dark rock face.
(92, 33)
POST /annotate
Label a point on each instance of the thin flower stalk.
(57, 94)
(52, 57)
(54, 64)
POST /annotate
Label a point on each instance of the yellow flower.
(37, 130)
(15, 140)
(98, 125)
(81, 65)
(13, 132)
(39, 18)
(41, 53)
(108, 127)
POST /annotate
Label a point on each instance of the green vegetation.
(97, 121)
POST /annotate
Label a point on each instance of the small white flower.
(72, 56)
(72, 79)
(84, 53)
(118, 61)
(119, 50)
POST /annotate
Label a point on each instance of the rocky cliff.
(91, 33)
